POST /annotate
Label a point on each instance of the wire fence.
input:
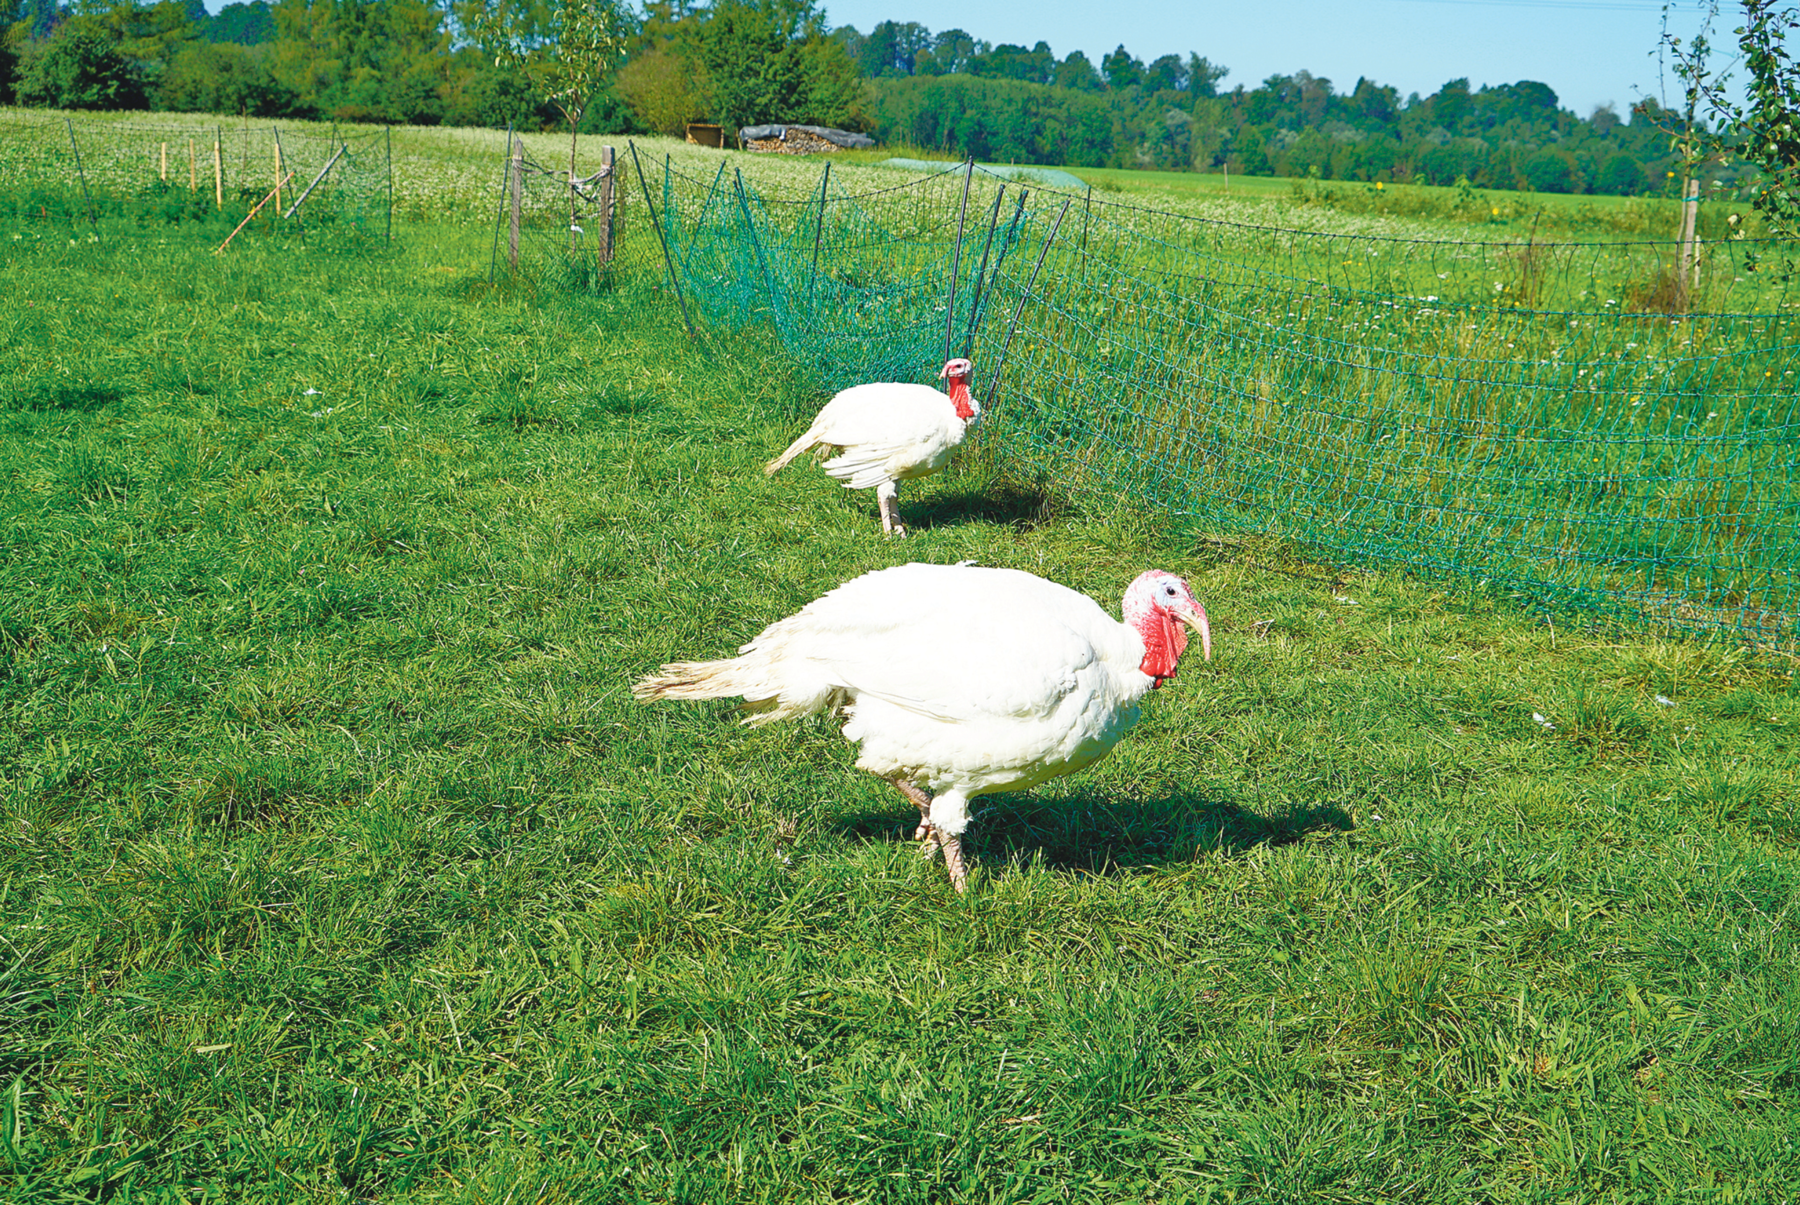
(555, 227)
(1604, 429)
(144, 177)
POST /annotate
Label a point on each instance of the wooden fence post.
(193, 168)
(165, 162)
(219, 168)
(278, 172)
(606, 205)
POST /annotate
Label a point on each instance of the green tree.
(1078, 72)
(769, 60)
(221, 78)
(951, 53)
(79, 68)
(245, 24)
(1548, 171)
(1622, 175)
(1121, 69)
(1765, 128)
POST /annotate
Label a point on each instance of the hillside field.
(338, 863)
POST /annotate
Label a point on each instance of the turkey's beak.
(1197, 621)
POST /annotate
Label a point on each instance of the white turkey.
(890, 432)
(958, 680)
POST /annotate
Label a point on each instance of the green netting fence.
(139, 177)
(1603, 429)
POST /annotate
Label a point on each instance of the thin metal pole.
(661, 237)
(819, 231)
(82, 172)
(981, 272)
(390, 176)
(956, 260)
(328, 165)
(750, 229)
(515, 203)
(1087, 213)
(500, 213)
(700, 216)
(994, 393)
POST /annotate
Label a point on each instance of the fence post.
(994, 393)
(82, 172)
(962, 220)
(193, 169)
(165, 161)
(389, 130)
(756, 243)
(661, 236)
(278, 173)
(606, 205)
(219, 167)
(500, 212)
(515, 191)
(981, 272)
(819, 230)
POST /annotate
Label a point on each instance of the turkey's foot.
(953, 861)
(890, 515)
(923, 802)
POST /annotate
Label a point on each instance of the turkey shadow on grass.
(1094, 833)
(1001, 502)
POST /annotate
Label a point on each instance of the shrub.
(80, 69)
(1621, 176)
(1548, 171)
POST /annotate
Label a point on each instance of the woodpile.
(799, 140)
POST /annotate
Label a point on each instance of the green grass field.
(338, 864)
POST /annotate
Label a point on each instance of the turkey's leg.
(932, 840)
(953, 861)
(888, 495)
(924, 804)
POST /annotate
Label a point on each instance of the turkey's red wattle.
(1164, 641)
(959, 397)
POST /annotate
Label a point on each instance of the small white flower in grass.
(310, 393)
(1542, 722)
(1664, 701)
(576, 229)
(1712, 414)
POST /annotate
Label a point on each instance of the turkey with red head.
(958, 681)
(885, 433)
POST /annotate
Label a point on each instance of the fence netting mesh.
(1605, 429)
(554, 226)
(136, 176)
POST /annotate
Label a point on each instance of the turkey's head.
(957, 375)
(1157, 604)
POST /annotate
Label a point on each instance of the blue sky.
(1589, 51)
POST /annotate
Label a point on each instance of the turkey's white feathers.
(883, 432)
(962, 679)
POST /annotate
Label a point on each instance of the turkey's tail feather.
(738, 677)
(809, 440)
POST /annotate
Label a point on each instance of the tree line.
(742, 62)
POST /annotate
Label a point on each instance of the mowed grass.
(338, 863)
